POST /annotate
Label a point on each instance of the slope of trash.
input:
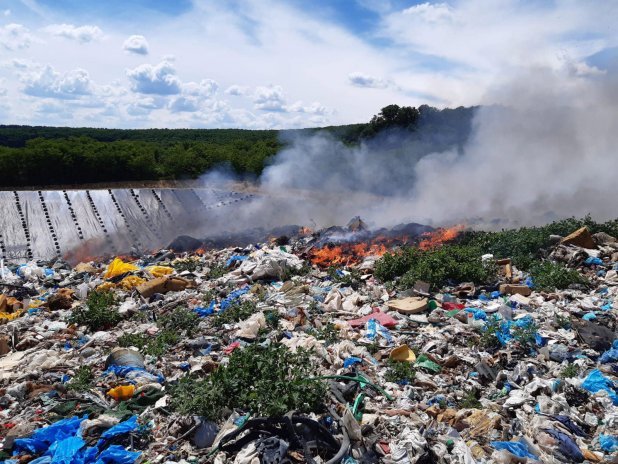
(275, 353)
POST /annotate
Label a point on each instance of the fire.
(439, 236)
(346, 254)
(200, 251)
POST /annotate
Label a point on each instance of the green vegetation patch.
(99, 312)
(266, 381)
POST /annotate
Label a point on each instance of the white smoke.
(543, 146)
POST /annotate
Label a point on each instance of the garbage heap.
(248, 355)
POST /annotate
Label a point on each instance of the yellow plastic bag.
(117, 267)
(159, 271)
(10, 316)
(105, 286)
(124, 392)
(130, 282)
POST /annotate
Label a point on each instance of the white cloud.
(48, 83)
(237, 90)
(15, 37)
(431, 12)
(136, 44)
(363, 80)
(184, 104)
(159, 79)
(269, 98)
(205, 88)
(6, 13)
(81, 34)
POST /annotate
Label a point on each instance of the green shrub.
(488, 339)
(399, 371)
(266, 381)
(522, 245)
(99, 313)
(470, 401)
(438, 267)
(217, 270)
(235, 313)
(180, 320)
(569, 371)
(139, 341)
(549, 276)
(82, 380)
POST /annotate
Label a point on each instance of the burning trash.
(298, 350)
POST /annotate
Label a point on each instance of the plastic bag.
(116, 454)
(596, 381)
(117, 267)
(65, 451)
(514, 447)
(608, 443)
(609, 356)
(159, 271)
(567, 446)
(232, 297)
(119, 429)
(44, 437)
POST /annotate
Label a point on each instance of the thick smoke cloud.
(543, 146)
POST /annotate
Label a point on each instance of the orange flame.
(346, 254)
(439, 236)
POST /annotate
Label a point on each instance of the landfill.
(282, 352)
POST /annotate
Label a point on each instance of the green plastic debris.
(426, 363)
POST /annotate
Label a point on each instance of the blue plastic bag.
(43, 438)
(593, 261)
(203, 312)
(589, 316)
(120, 429)
(517, 448)
(116, 454)
(348, 362)
(234, 259)
(608, 443)
(374, 328)
(596, 381)
(478, 314)
(609, 356)
(66, 450)
(232, 297)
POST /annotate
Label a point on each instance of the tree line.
(37, 155)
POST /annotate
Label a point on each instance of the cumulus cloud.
(205, 88)
(237, 90)
(363, 80)
(81, 34)
(431, 12)
(157, 79)
(136, 44)
(269, 98)
(15, 37)
(48, 83)
(184, 104)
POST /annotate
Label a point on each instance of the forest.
(39, 156)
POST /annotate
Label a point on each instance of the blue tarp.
(232, 297)
(234, 259)
(44, 437)
(608, 443)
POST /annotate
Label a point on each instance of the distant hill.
(39, 155)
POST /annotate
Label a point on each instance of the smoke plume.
(541, 147)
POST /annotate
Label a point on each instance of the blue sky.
(279, 64)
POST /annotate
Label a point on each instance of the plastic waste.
(566, 445)
(118, 267)
(596, 381)
(116, 454)
(44, 437)
(517, 448)
(608, 443)
(403, 353)
(123, 392)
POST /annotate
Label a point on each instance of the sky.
(262, 64)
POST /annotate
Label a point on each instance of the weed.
(267, 381)
(158, 345)
(470, 401)
(438, 267)
(99, 313)
(526, 335)
(569, 371)
(82, 380)
(328, 333)
(272, 319)
(217, 270)
(488, 339)
(550, 276)
(291, 272)
(180, 320)
(562, 322)
(235, 313)
(139, 341)
(187, 264)
(399, 371)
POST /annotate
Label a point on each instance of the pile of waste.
(263, 354)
